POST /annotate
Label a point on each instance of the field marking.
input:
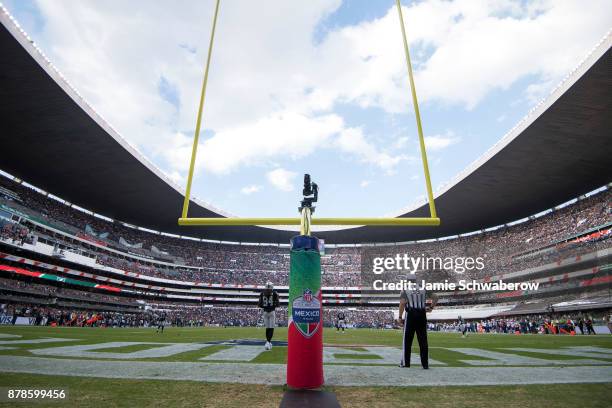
(274, 374)
(9, 336)
(387, 356)
(592, 349)
(570, 352)
(394, 355)
(88, 350)
(497, 358)
(35, 341)
(241, 353)
(236, 353)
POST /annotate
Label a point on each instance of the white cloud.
(364, 183)
(352, 141)
(402, 142)
(439, 142)
(288, 135)
(462, 50)
(176, 177)
(535, 92)
(248, 190)
(282, 179)
(268, 91)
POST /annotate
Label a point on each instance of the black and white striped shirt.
(415, 299)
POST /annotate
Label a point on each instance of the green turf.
(130, 393)
(274, 356)
(109, 393)
(351, 340)
(525, 396)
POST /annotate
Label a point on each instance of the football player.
(341, 321)
(462, 326)
(268, 301)
(161, 321)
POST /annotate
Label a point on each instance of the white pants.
(269, 319)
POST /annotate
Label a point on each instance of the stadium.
(106, 298)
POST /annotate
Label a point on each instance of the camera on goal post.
(310, 193)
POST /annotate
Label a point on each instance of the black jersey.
(341, 316)
(268, 301)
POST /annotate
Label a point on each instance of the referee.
(414, 302)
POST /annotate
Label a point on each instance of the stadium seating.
(566, 249)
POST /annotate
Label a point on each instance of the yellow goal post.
(432, 220)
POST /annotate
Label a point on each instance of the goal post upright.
(431, 221)
(196, 137)
(417, 114)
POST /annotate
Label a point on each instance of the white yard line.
(497, 358)
(569, 352)
(35, 341)
(334, 375)
(236, 353)
(9, 336)
(89, 350)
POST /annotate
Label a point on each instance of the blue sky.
(318, 87)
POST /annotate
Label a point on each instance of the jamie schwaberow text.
(404, 284)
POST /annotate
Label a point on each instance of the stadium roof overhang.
(54, 140)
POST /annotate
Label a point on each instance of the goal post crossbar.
(240, 221)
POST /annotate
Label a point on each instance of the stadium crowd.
(16, 233)
(53, 316)
(180, 316)
(507, 248)
(223, 316)
(560, 234)
(8, 286)
(553, 323)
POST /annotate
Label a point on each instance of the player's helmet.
(269, 285)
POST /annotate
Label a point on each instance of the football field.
(229, 367)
